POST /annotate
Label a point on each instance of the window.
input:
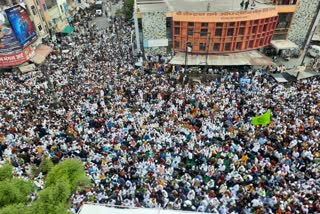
(190, 24)
(256, 21)
(218, 32)
(34, 12)
(254, 29)
(204, 32)
(203, 46)
(44, 7)
(227, 46)
(40, 27)
(33, 8)
(261, 41)
(61, 8)
(284, 20)
(177, 30)
(230, 32)
(190, 32)
(265, 27)
(219, 24)
(231, 24)
(241, 31)
(177, 44)
(176, 23)
(242, 23)
(216, 47)
(251, 44)
(238, 46)
(204, 24)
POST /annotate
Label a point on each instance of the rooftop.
(197, 5)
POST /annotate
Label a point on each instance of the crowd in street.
(148, 140)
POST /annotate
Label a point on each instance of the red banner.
(16, 58)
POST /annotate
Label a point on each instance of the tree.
(15, 191)
(70, 170)
(46, 165)
(53, 199)
(128, 9)
(16, 209)
(61, 181)
(6, 172)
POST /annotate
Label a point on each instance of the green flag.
(263, 119)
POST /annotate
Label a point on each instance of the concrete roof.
(157, 7)
(198, 5)
(228, 59)
(283, 44)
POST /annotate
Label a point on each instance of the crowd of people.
(149, 140)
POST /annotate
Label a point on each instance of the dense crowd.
(148, 140)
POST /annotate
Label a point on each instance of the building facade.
(16, 40)
(223, 32)
(224, 27)
(37, 17)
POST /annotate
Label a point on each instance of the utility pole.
(136, 27)
(186, 56)
(208, 46)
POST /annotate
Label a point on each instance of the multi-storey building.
(219, 27)
(37, 17)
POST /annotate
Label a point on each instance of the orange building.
(211, 26)
(222, 32)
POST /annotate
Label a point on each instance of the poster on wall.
(8, 40)
(21, 24)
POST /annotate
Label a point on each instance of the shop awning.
(41, 53)
(67, 29)
(27, 68)
(283, 44)
(229, 59)
(279, 78)
(300, 73)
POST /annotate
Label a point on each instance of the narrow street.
(102, 22)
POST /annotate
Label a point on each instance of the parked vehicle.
(99, 8)
(314, 51)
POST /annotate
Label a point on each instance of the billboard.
(16, 58)
(21, 24)
(8, 40)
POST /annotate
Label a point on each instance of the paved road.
(102, 22)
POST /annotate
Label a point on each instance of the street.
(102, 22)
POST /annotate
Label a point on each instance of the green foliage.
(39, 207)
(61, 180)
(70, 170)
(14, 191)
(127, 9)
(46, 165)
(119, 12)
(53, 199)
(6, 172)
(15, 209)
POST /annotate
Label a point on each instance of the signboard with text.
(16, 58)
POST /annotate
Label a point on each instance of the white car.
(98, 12)
(314, 51)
